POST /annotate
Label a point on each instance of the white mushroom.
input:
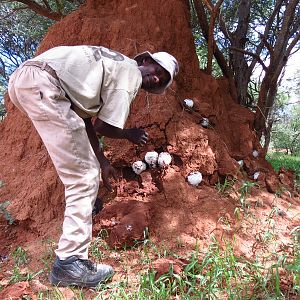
(164, 159)
(138, 167)
(255, 153)
(240, 162)
(255, 175)
(204, 122)
(129, 227)
(194, 178)
(188, 102)
(151, 158)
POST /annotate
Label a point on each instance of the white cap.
(166, 60)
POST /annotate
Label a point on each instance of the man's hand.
(108, 171)
(137, 136)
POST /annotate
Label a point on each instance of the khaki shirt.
(99, 82)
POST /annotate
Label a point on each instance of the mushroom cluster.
(163, 159)
(153, 159)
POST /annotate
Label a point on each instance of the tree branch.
(46, 4)
(41, 10)
(214, 11)
(205, 29)
(293, 44)
(265, 34)
(284, 33)
(224, 30)
(251, 54)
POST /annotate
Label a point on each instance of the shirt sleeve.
(115, 109)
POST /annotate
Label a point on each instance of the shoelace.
(89, 264)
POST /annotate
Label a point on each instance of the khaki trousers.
(40, 96)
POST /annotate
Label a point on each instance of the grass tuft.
(279, 160)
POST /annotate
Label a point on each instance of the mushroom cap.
(194, 178)
(205, 122)
(164, 159)
(188, 102)
(138, 167)
(255, 153)
(151, 158)
(256, 175)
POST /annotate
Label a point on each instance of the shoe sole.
(55, 281)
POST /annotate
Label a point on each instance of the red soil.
(161, 200)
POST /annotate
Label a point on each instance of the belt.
(43, 66)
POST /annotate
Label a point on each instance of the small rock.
(287, 177)
(3, 258)
(162, 266)
(281, 213)
(272, 183)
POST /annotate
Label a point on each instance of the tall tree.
(23, 25)
(51, 9)
(249, 33)
(20, 34)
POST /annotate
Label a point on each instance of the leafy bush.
(279, 160)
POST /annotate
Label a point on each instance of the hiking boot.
(79, 272)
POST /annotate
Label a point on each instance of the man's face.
(154, 75)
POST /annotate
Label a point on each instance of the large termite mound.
(30, 181)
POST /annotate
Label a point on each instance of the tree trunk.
(278, 59)
(226, 70)
(210, 43)
(214, 12)
(238, 61)
(267, 135)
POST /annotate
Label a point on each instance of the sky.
(293, 66)
(288, 83)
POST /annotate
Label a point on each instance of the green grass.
(245, 190)
(214, 273)
(217, 273)
(5, 212)
(279, 160)
(20, 256)
(224, 187)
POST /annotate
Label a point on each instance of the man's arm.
(135, 135)
(106, 169)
